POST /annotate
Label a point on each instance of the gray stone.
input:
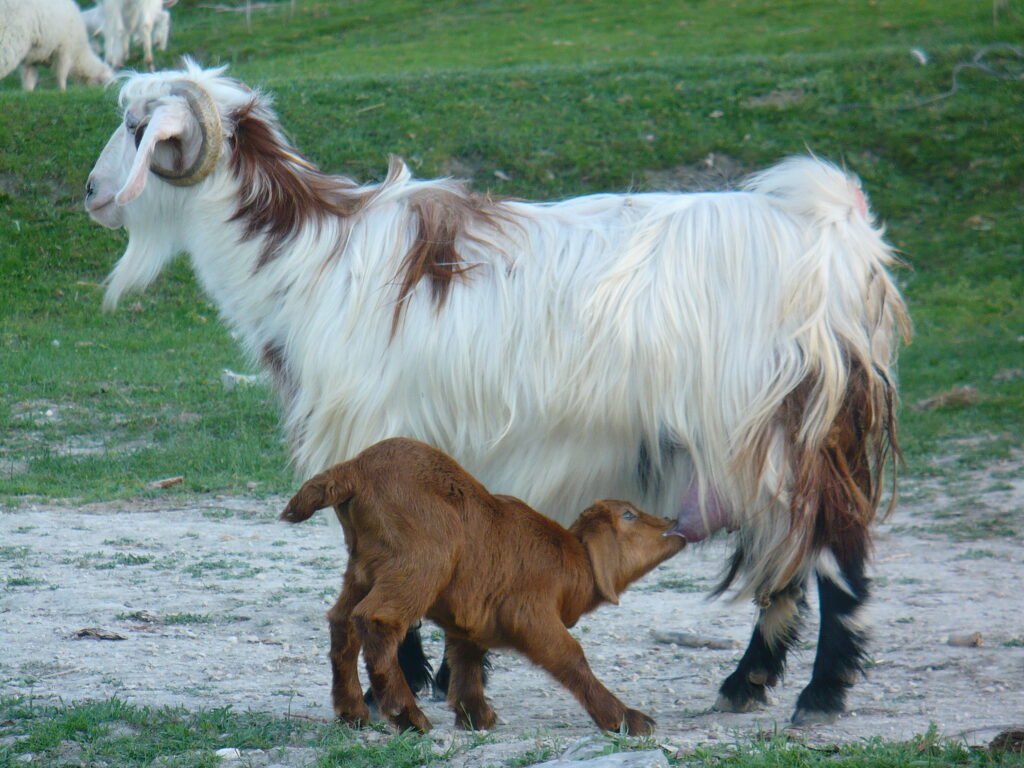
(585, 748)
(495, 755)
(653, 758)
(291, 757)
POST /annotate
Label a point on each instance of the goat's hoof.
(821, 702)
(743, 692)
(740, 704)
(637, 723)
(478, 720)
(804, 717)
(411, 719)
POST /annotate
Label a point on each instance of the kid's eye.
(629, 515)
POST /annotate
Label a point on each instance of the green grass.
(778, 751)
(561, 98)
(679, 584)
(117, 734)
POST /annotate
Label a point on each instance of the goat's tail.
(816, 450)
(328, 489)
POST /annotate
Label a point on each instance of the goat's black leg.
(413, 663)
(765, 658)
(841, 645)
(442, 680)
(465, 660)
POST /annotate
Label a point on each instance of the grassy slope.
(563, 99)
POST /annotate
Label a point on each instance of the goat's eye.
(629, 515)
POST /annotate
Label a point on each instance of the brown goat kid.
(425, 538)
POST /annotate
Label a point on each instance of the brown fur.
(442, 217)
(282, 192)
(273, 360)
(425, 538)
(839, 484)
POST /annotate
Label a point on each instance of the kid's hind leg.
(382, 620)
(765, 658)
(415, 668)
(345, 643)
(466, 685)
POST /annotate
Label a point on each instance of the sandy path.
(221, 604)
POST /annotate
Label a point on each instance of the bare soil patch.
(221, 604)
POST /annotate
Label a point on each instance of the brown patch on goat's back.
(443, 216)
(280, 191)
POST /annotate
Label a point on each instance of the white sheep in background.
(144, 21)
(47, 32)
(93, 19)
(723, 358)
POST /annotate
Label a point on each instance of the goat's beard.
(148, 252)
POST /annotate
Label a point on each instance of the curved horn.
(208, 116)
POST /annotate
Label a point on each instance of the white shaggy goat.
(145, 21)
(47, 32)
(723, 358)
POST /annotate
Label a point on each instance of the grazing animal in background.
(425, 538)
(146, 21)
(159, 34)
(723, 358)
(47, 32)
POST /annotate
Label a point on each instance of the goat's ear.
(603, 547)
(168, 121)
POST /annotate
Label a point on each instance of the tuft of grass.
(114, 733)
(23, 581)
(189, 618)
(225, 569)
(976, 554)
(928, 750)
(680, 584)
(14, 554)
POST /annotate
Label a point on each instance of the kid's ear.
(602, 546)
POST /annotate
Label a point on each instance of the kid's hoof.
(637, 723)
(482, 719)
(411, 720)
(354, 719)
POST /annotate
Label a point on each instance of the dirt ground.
(220, 604)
